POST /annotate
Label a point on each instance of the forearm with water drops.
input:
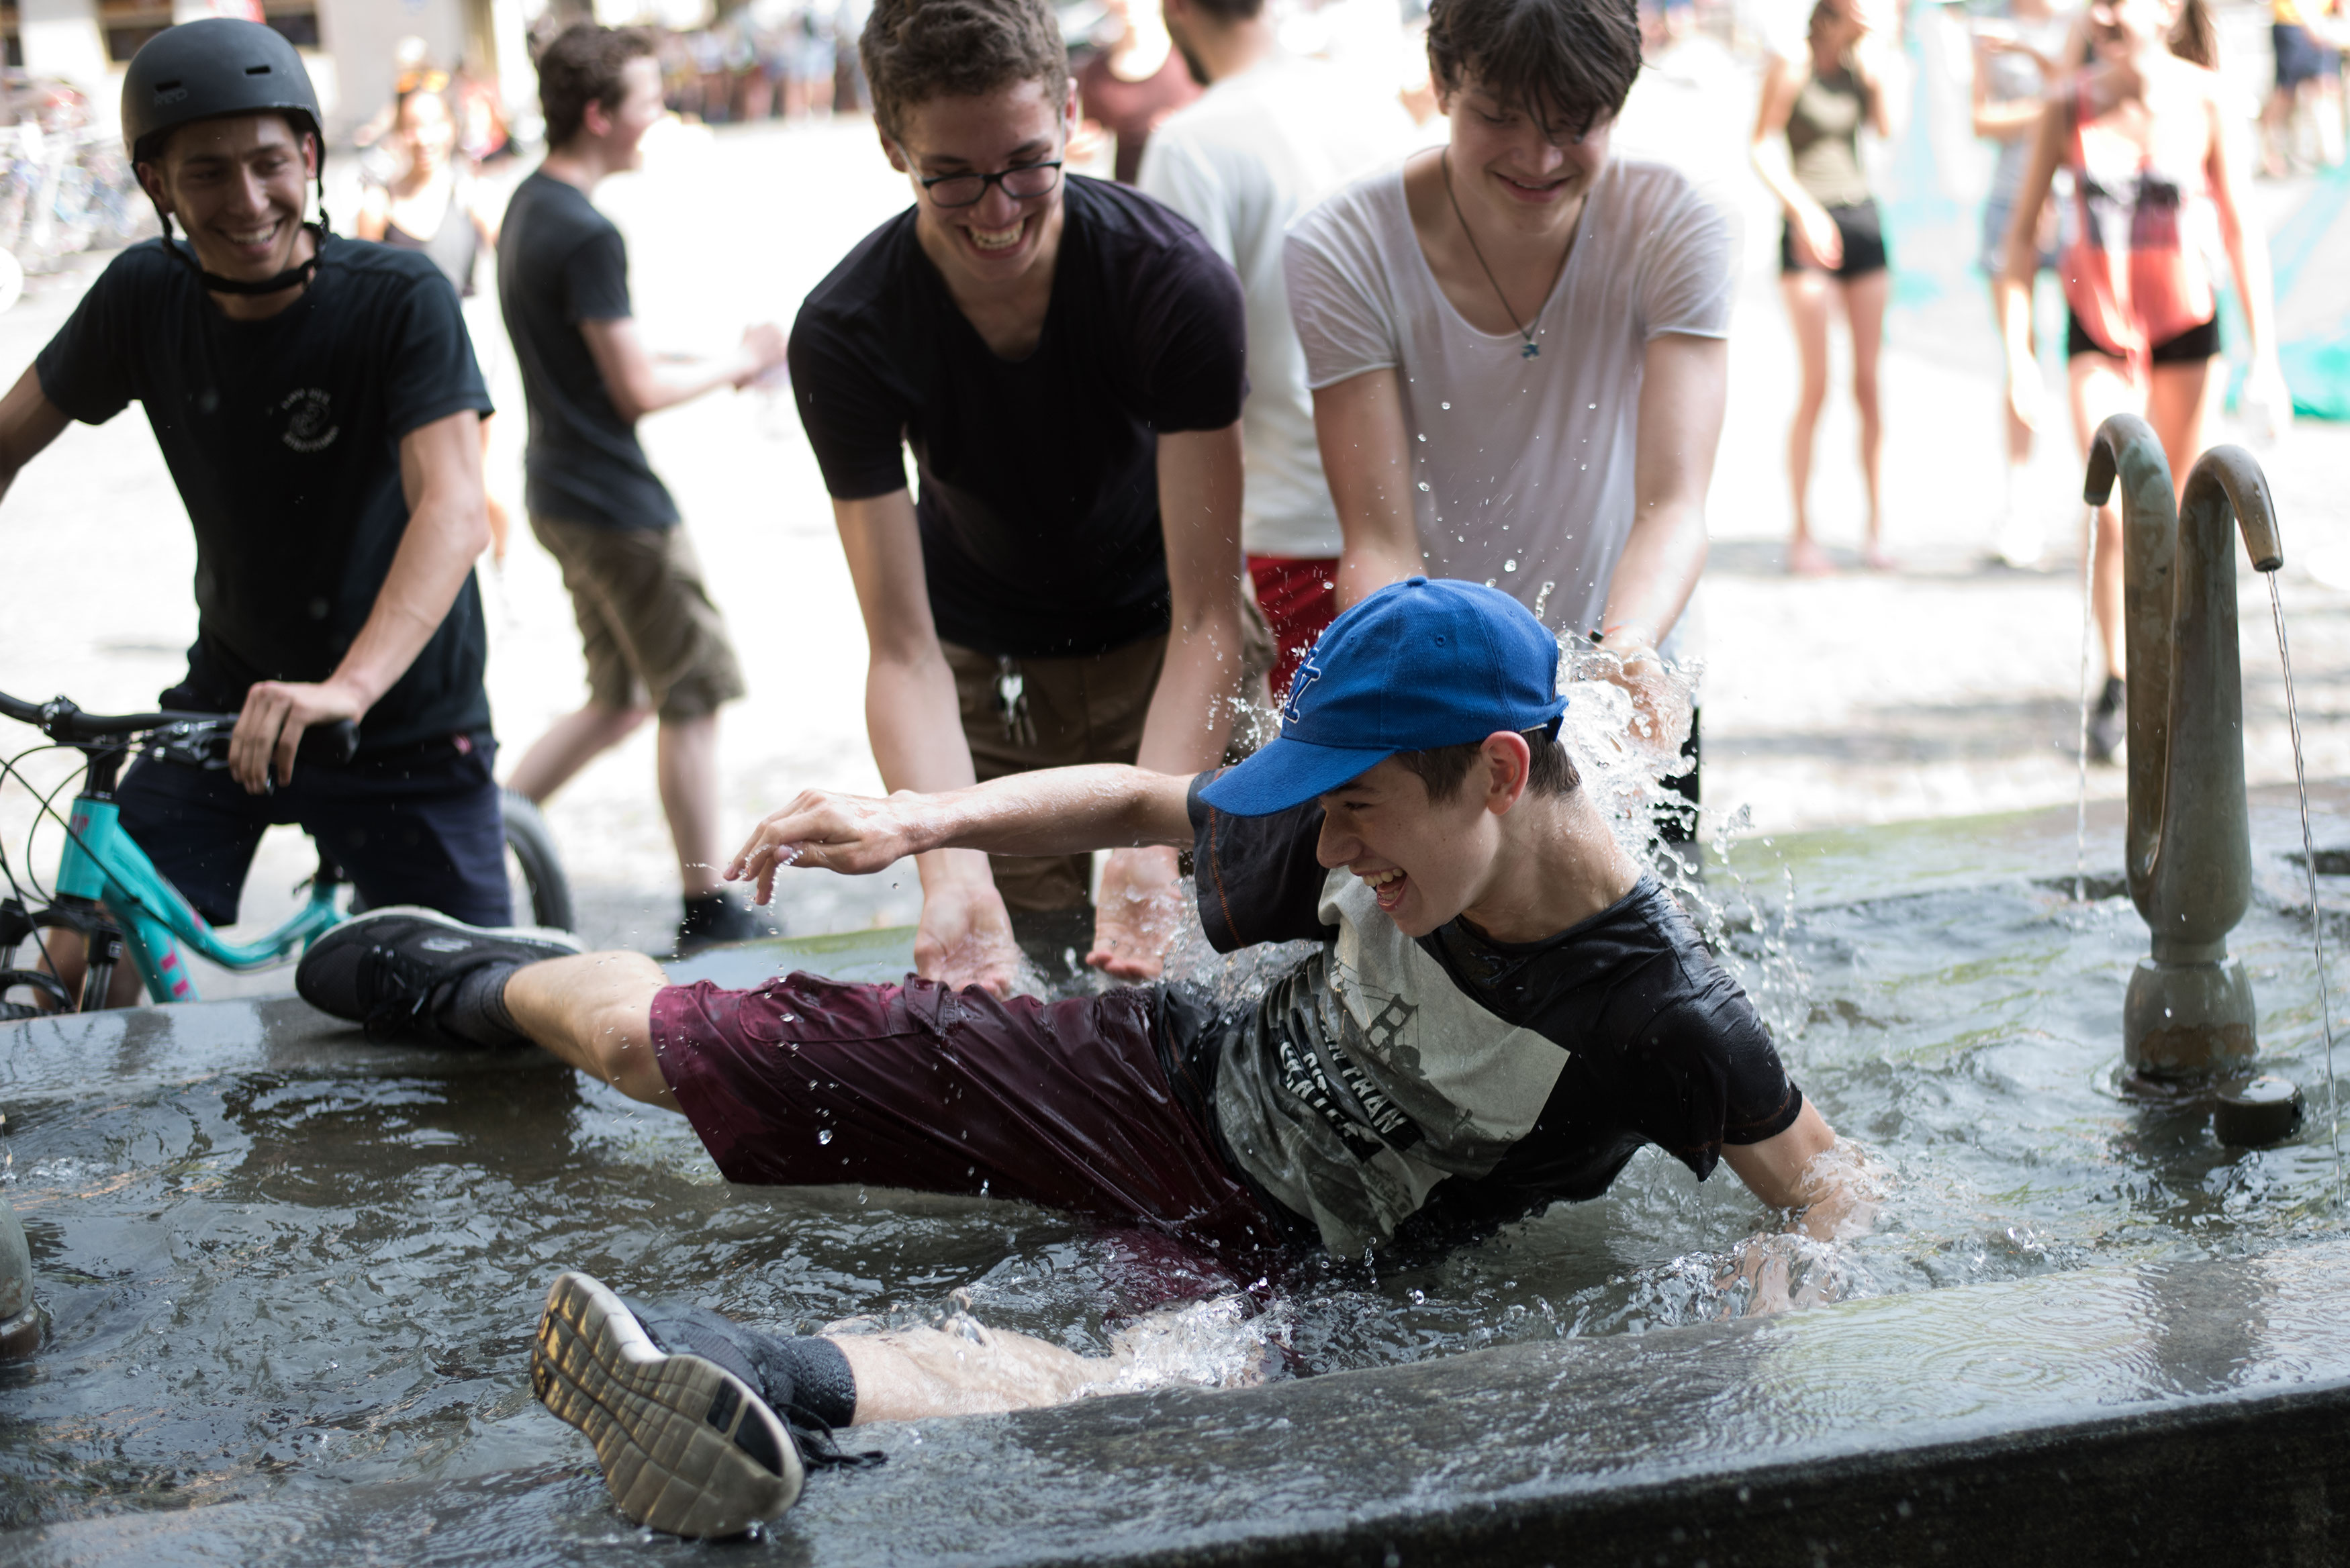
(1054, 811)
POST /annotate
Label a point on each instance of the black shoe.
(398, 970)
(686, 1446)
(2108, 721)
(713, 919)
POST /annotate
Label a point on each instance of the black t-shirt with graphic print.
(283, 436)
(1039, 500)
(1394, 1091)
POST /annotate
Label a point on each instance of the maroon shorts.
(811, 1082)
(1299, 597)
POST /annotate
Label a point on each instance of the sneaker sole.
(686, 1448)
(546, 936)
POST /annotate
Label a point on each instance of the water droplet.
(1511, 565)
(1423, 435)
(1444, 405)
(1594, 405)
(1423, 484)
(823, 1137)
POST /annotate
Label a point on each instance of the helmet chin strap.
(292, 277)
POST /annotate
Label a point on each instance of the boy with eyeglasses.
(1066, 359)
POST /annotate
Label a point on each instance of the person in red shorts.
(1499, 1009)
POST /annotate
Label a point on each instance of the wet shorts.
(2191, 347)
(418, 826)
(652, 637)
(808, 1082)
(1863, 241)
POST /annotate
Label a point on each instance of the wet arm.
(1358, 425)
(1684, 390)
(29, 423)
(638, 386)
(1785, 1171)
(1199, 508)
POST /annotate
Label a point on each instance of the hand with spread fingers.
(269, 728)
(854, 834)
(1140, 911)
(1660, 701)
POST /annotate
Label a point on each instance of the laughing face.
(992, 242)
(1531, 173)
(1425, 861)
(239, 187)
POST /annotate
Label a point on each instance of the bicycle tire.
(533, 849)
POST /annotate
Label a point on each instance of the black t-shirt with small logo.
(283, 436)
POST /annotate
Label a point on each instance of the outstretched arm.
(1054, 811)
(638, 386)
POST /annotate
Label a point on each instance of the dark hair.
(2195, 37)
(584, 65)
(1564, 63)
(915, 50)
(1231, 10)
(1549, 771)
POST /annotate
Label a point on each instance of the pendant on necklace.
(1528, 352)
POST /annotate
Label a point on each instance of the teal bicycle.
(108, 893)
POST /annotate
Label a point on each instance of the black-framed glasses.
(1022, 183)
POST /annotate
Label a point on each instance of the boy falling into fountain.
(1502, 1009)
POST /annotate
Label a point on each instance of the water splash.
(2088, 640)
(2309, 862)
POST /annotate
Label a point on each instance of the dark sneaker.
(686, 1446)
(714, 917)
(2109, 720)
(399, 970)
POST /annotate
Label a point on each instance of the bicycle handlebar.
(61, 721)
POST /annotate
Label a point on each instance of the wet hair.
(916, 50)
(1566, 64)
(1549, 772)
(2195, 37)
(584, 65)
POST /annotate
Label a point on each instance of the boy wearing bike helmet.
(317, 401)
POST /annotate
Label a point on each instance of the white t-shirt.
(1241, 161)
(1524, 466)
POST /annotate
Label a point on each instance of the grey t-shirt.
(1522, 467)
(1392, 1089)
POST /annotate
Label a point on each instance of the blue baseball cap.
(1418, 665)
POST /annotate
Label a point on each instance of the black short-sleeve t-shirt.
(283, 436)
(561, 263)
(1039, 500)
(1398, 1089)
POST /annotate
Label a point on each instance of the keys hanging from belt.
(1012, 702)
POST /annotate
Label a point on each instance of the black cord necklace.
(1527, 332)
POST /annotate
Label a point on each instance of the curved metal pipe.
(2189, 858)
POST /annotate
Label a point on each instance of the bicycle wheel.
(532, 867)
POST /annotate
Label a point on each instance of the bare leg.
(595, 1012)
(570, 744)
(688, 773)
(2176, 404)
(902, 1377)
(1807, 311)
(2101, 387)
(1864, 308)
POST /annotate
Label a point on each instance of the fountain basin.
(291, 1279)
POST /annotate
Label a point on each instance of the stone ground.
(1946, 688)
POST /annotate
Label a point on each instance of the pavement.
(1947, 687)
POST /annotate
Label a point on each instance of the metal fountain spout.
(2189, 1013)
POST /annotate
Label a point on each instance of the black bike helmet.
(207, 69)
(203, 70)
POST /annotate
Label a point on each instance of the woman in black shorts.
(1832, 246)
(2158, 188)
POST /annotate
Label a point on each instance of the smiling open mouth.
(991, 240)
(1385, 886)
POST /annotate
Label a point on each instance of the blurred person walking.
(2159, 168)
(655, 642)
(1807, 147)
(1135, 80)
(1272, 136)
(2307, 37)
(1066, 359)
(2019, 59)
(1517, 348)
(432, 206)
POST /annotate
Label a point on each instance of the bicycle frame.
(102, 864)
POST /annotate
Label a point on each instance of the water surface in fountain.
(296, 1273)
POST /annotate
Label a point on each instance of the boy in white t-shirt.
(1517, 344)
(1273, 135)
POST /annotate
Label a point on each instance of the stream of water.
(2309, 859)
